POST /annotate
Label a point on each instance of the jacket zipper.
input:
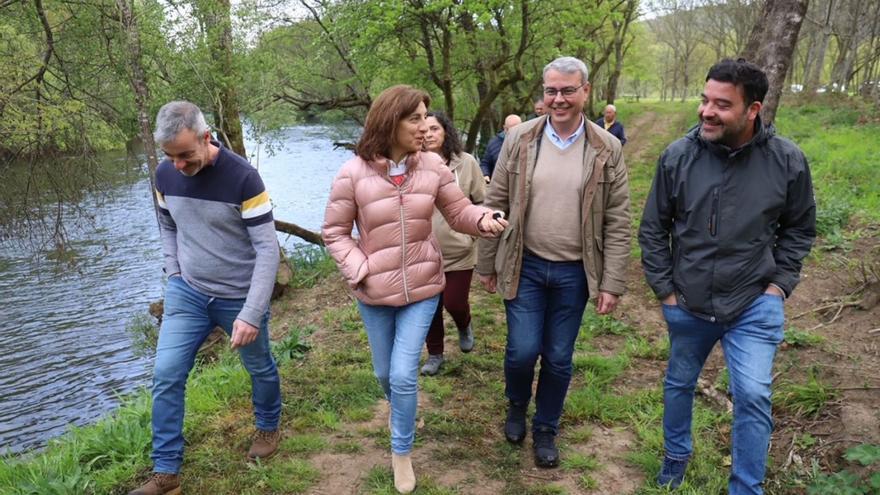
(403, 246)
(713, 216)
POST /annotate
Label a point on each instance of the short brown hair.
(380, 128)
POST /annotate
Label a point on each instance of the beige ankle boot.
(404, 477)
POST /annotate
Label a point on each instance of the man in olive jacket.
(562, 182)
(729, 219)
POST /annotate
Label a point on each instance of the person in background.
(726, 226)
(390, 190)
(459, 250)
(563, 183)
(539, 108)
(221, 258)
(487, 164)
(609, 122)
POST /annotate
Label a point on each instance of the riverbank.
(108, 267)
(335, 426)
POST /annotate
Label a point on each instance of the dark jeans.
(543, 320)
(455, 299)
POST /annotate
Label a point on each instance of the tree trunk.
(619, 49)
(771, 46)
(138, 80)
(217, 17)
(847, 44)
(817, 61)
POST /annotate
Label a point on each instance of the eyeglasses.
(566, 92)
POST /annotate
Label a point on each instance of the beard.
(192, 172)
(724, 133)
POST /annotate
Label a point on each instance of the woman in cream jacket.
(459, 250)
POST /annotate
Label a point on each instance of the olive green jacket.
(605, 215)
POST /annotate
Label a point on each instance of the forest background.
(78, 77)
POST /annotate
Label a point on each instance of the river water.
(65, 356)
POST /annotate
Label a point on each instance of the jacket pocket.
(598, 221)
(504, 253)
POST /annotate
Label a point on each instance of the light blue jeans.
(749, 345)
(396, 336)
(189, 318)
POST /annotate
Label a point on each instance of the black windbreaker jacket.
(720, 225)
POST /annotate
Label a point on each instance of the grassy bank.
(335, 425)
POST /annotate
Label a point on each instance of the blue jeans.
(749, 345)
(189, 318)
(396, 336)
(544, 320)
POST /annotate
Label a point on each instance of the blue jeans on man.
(749, 345)
(543, 320)
(189, 318)
(397, 335)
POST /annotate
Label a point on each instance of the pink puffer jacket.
(396, 261)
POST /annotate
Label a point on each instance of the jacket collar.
(590, 134)
(380, 164)
(455, 162)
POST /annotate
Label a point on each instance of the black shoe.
(546, 453)
(515, 426)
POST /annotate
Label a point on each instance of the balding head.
(511, 121)
(610, 113)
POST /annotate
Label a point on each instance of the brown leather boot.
(159, 484)
(265, 444)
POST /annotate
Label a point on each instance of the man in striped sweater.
(221, 256)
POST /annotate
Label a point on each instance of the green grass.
(800, 338)
(807, 399)
(843, 159)
(310, 264)
(380, 481)
(91, 459)
(306, 444)
(845, 482)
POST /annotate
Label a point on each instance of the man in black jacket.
(729, 219)
(487, 164)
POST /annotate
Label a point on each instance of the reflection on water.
(64, 353)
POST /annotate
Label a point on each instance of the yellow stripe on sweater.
(256, 206)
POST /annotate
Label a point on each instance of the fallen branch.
(825, 307)
(539, 477)
(302, 233)
(876, 330)
(838, 440)
(791, 454)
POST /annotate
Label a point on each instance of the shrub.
(144, 334)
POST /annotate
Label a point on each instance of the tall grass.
(842, 152)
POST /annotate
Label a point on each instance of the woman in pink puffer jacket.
(389, 190)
